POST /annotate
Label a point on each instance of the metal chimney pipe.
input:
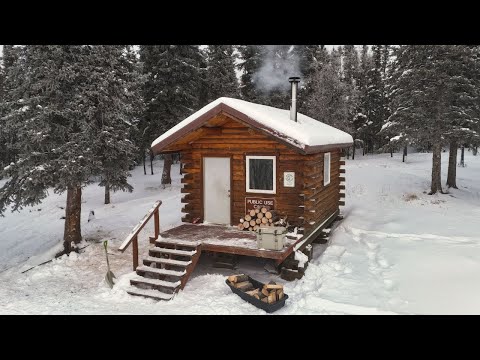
(294, 80)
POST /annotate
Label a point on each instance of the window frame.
(247, 173)
(327, 171)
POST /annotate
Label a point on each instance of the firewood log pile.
(269, 293)
(257, 218)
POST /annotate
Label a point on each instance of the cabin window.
(326, 169)
(261, 174)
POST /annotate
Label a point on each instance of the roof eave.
(199, 121)
(322, 148)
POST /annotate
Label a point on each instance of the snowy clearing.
(398, 250)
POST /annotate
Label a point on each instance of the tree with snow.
(68, 115)
(350, 70)
(221, 79)
(3, 137)
(171, 92)
(111, 89)
(311, 57)
(8, 81)
(251, 60)
(376, 100)
(54, 134)
(433, 91)
(331, 100)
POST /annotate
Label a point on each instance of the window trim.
(247, 177)
(327, 171)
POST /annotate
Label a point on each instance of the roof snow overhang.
(164, 144)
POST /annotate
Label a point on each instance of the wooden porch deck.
(225, 239)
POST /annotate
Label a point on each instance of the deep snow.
(398, 250)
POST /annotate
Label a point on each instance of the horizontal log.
(321, 195)
(284, 157)
(241, 147)
(341, 203)
(227, 142)
(323, 200)
(320, 216)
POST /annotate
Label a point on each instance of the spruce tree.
(171, 92)
(465, 121)
(311, 57)
(11, 78)
(251, 60)
(375, 103)
(54, 134)
(329, 99)
(3, 137)
(433, 91)
(350, 74)
(112, 84)
(221, 79)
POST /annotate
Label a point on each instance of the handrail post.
(156, 218)
(135, 253)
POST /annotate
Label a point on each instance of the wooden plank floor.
(225, 239)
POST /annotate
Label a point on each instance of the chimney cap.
(294, 79)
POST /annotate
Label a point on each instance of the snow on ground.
(398, 250)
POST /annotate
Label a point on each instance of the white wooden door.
(216, 190)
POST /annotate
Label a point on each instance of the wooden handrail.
(133, 236)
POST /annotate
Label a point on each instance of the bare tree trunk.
(348, 153)
(462, 156)
(167, 166)
(391, 151)
(452, 165)
(72, 231)
(475, 151)
(151, 161)
(107, 192)
(353, 151)
(404, 153)
(436, 168)
(144, 167)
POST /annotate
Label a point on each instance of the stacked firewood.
(269, 293)
(254, 219)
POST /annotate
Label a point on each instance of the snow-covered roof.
(307, 135)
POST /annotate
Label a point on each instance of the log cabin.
(239, 157)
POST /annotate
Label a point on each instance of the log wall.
(305, 204)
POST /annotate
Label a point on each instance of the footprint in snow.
(383, 263)
(375, 270)
(389, 284)
(371, 245)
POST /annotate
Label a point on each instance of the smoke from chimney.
(278, 63)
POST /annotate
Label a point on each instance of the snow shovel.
(109, 276)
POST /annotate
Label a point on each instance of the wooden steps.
(167, 242)
(166, 269)
(152, 294)
(158, 250)
(150, 259)
(160, 271)
(155, 282)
